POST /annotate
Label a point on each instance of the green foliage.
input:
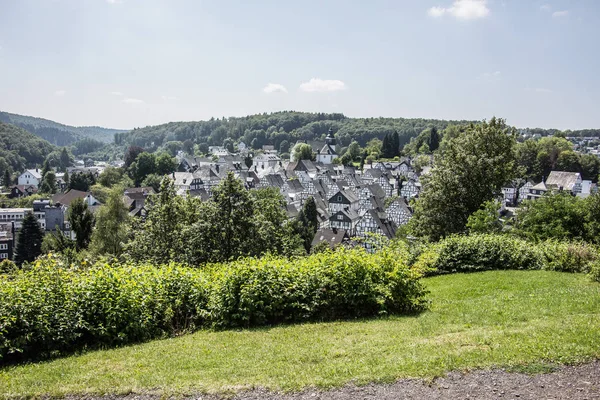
(82, 181)
(57, 242)
(554, 216)
(485, 220)
(479, 253)
(307, 222)
(55, 133)
(110, 176)
(595, 271)
(470, 171)
(52, 309)
(390, 147)
(29, 240)
(48, 183)
(498, 252)
(275, 128)
(8, 267)
(82, 223)
(568, 256)
(303, 151)
(112, 225)
(147, 164)
(20, 149)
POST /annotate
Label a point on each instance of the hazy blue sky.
(126, 63)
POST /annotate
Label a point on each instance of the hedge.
(500, 252)
(51, 310)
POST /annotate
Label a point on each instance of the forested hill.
(58, 134)
(258, 130)
(20, 149)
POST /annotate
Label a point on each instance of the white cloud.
(169, 98)
(546, 7)
(117, 93)
(436, 11)
(490, 75)
(322, 85)
(462, 9)
(130, 100)
(559, 14)
(60, 93)
(274, 88)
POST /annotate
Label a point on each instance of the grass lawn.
(525, 320)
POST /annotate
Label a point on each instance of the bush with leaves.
(500, 252)
(55, 308)
(479, 253)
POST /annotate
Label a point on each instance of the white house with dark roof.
(31, 177)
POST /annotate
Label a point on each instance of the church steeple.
(330, 139)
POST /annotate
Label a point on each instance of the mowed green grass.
(516, 319)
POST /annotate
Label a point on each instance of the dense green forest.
(58, 134)
(276, 128)
(20, 149)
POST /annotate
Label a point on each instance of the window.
(339, 199)
(3, 255)
(3, 246)
(340, 217)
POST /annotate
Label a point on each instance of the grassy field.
(526, 320)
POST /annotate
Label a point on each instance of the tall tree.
(82, 222)
(158, 237)
(65, 159)
(469, 172)
(49, 183)
(29, 240)
(235, 217)
(112, 221)
(434, 139)
(7, 180)
(131, 155)
(387, 147)
(66, 178)
(308, 223)
(82, 181)
(303, 151)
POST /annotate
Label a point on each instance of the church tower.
(330, 139)
(328, 152)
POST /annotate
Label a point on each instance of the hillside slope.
(58, 134)
(20, 149)
(275, 128)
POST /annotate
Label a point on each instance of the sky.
(133, 63)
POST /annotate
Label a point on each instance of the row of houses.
(517, 191)
(350, 202)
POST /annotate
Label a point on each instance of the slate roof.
(348, 194)
(327, 150)
(387, 227)
(334, 237)
(67, 198)
(562, 179)
(540, 186)
(35, 173)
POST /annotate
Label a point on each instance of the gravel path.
(573, 382)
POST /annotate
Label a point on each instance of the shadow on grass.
(16, 359)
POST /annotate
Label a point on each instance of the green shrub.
(51, 309)
(595, 270)
(478, 253)
(325, 286)
(496, 252)
(568, 256)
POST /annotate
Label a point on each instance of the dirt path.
(574, 383)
